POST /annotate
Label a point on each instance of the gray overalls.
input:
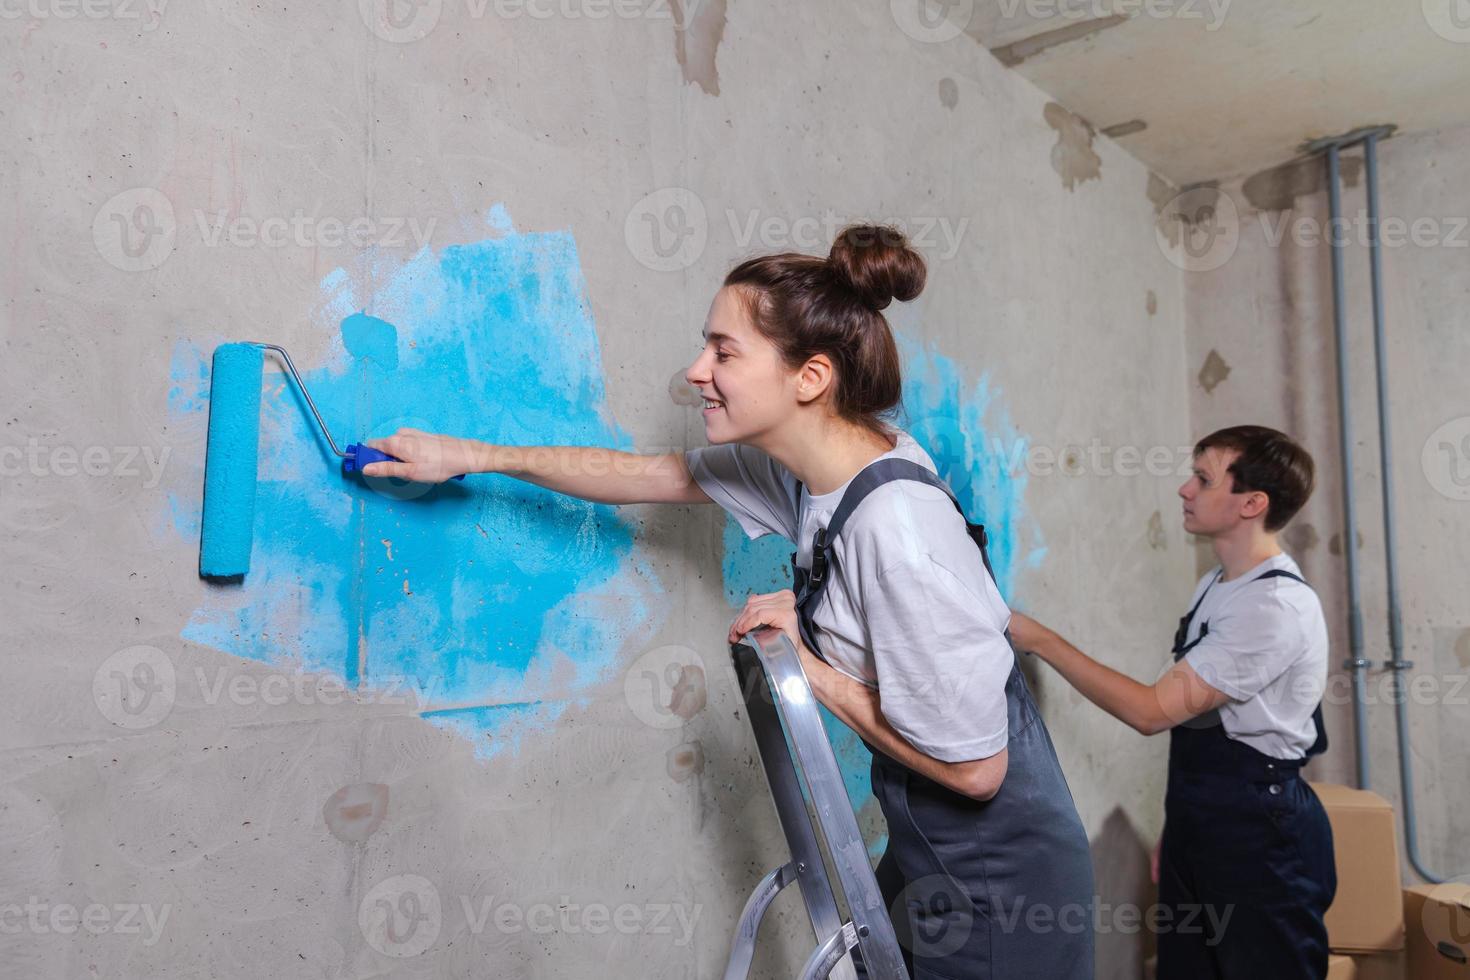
(994, 889)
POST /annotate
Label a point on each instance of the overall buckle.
(819, 557)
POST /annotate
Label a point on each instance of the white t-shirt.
(908, 607)
(1267, 650)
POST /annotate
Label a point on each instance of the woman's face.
(747, 388)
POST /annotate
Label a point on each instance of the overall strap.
(809, 583)
(1281, 573)
(1182, 645)
(870, 478)
(1319, 743)
(874, 476)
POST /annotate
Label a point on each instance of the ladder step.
(820, 964)
(742, 951)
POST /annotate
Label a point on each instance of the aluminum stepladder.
(780, 704)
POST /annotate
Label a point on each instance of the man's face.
(1211, 506)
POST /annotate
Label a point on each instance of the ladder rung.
(819, 965)
(764, 893)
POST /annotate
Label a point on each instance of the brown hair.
(807, 305)
(1269, 461)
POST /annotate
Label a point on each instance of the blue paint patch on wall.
(764, 565)
(968, 432)
(369, 339)
(751, 566)
(497, 728)
(483, 595)
(188, 381)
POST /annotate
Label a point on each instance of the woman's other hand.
(776, 610)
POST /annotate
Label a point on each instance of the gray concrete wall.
(514, 786)
(1262, 348)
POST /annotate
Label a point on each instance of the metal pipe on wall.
(1356, 662)
(1396, 663)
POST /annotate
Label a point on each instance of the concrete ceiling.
(1208, 89)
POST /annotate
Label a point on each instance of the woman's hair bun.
(877, 263)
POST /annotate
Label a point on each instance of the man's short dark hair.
(1269, 461)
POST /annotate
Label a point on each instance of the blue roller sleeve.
(230, 460)
(359, 456)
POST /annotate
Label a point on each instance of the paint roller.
(232, 453)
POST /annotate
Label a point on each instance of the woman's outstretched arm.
(604, 476)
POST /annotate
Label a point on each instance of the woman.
(900, 628)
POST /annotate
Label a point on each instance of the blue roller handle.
(359, 456)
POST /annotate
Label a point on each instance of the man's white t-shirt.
(909, 607)
(1266, 649)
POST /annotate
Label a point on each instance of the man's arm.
(1178, 696)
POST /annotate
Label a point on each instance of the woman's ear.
(816, 376)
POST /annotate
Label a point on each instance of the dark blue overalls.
(1244, 837)
(976, 890)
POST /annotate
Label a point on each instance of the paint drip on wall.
(492, 604)
(978, 451)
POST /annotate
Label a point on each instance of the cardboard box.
(1379, 966)
(1338, 968)
(1437, 921)
(1367, 915)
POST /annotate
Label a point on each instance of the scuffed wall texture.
(484, 729)
(1262, 347)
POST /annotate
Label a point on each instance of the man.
(1246, 868)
